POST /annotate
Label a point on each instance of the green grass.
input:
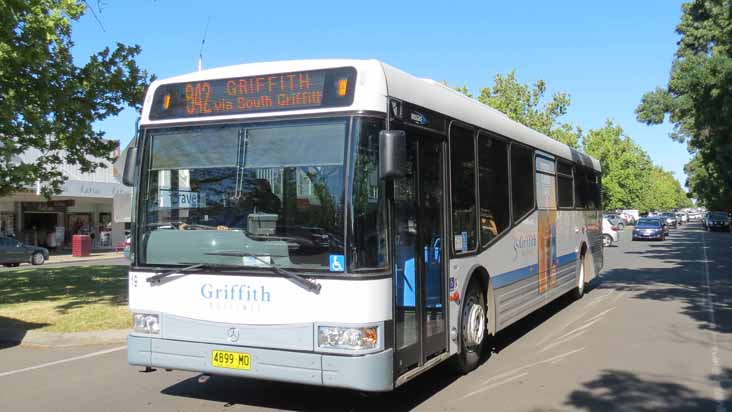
(66, 299)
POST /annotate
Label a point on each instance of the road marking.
(603, 313)
(585, 326)
(516, 373)
(620, 295)
(716, 368)
(493, 385)
(601, 298)
(58, 362)
(566, 325)
(565, 340)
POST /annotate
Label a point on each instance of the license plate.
(231, 360)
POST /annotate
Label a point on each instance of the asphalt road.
(654, 334)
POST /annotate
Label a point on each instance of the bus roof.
(375, 82)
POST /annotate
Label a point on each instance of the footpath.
(36, 338)
(98, 255)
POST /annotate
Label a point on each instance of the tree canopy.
(630, 179)
(698, 99)
(525, 104)
(49, 103)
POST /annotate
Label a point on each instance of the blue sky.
(604, 54)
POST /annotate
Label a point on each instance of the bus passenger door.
(418, 228)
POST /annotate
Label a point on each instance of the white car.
(609, 235)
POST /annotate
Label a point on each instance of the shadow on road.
(285, 396)
(12, 331)
(682, 277)
(616, 390)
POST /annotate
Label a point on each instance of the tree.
(625, 167)
(523, 103)
(705, 183)
(698, 99)
(50, 104)
(665, 192)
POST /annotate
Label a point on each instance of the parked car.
(671, 220)
(13, 253)
(632, 215)
(609, 233)
(649, 228)
(680, 218)
(615, 220)
(718, 221)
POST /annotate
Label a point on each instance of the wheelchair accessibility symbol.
(337, 263)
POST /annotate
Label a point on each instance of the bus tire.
(472, 328)
(579, 291)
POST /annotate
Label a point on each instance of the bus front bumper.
(372, 372)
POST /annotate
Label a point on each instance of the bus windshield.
(247, 194)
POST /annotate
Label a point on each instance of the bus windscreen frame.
(298, 90)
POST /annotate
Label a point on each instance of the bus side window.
(495, 214)
(462, 183)
(522, 181)
(580, 188)
(565, 184)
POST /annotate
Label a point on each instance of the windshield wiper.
(304, 283)
(190, 268)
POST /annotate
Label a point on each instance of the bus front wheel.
(472, 328)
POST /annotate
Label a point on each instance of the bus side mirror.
(392, 153)
(128, 175)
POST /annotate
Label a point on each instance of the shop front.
(81, 208)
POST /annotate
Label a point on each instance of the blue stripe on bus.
(520, 274)
(568, 258)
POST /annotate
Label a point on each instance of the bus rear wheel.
(472, 329)
(579, 291)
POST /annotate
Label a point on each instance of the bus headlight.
(146, 323)
(338, 337)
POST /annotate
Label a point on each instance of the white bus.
(343, 223)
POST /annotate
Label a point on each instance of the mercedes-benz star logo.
(233, 334)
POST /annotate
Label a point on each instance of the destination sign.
(254, 94)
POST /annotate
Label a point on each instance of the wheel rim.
(606, 241)
(474, 321)
(37, 259)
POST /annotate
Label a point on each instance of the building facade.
(85, 206)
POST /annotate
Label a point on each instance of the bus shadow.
(231, 391)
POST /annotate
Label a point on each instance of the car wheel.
(607, 240)
(37, 258)
(472, 329)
